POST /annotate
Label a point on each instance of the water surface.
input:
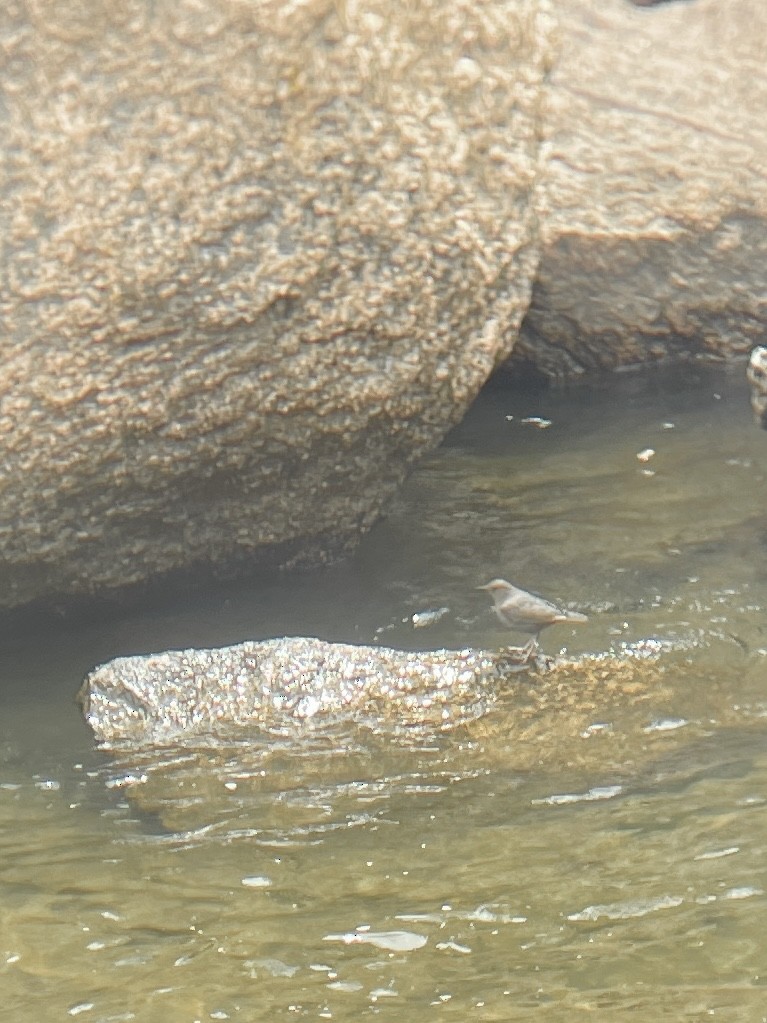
(602, 861)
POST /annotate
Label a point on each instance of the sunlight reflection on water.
(602, 860)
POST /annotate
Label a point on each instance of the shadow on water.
(583, 849)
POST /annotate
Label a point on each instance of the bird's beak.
(485, 587)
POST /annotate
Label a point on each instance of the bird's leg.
(530, 647)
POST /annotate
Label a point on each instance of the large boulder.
(257, 258)
(654, 240)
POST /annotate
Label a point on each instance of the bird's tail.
(576, 616)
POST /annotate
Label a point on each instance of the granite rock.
(257, 259)
(178, 694)
(298, 682)
(654, 235)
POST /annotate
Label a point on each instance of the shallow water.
(601, 860)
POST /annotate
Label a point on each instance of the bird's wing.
(535, 608)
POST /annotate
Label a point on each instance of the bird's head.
(496, 586)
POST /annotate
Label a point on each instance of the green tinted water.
(594, 862)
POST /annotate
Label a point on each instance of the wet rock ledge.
(163, 697)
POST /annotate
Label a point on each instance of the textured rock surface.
(257, 258)
(260, 684)
(279, 682)
(405, 720)
(655, 238)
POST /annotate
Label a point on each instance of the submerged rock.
(162, 697)
(206, 743)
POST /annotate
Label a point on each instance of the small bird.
(524, 612)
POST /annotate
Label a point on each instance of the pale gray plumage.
(524, 612)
